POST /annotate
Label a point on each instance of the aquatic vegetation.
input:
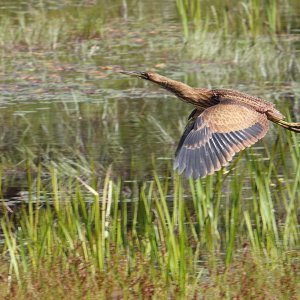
(246, 19)
(186, 231)
(90, 203)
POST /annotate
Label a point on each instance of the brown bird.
(222, 123)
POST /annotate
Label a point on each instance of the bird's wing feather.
(211, 139)
(189, 126)
(195, 113)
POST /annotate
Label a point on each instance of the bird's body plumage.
(216, 135)
(222, 123)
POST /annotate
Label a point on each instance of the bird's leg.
(290, 126)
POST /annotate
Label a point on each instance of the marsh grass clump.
(247, 277)
(250, 19)
(169, 237)
(42, 29)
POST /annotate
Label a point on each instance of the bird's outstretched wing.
(189, 126)
(211, 139)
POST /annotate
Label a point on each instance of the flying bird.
(222, 123)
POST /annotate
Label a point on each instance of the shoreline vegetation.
(87, 226)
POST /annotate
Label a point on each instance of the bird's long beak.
(143, 75)
(131, 73)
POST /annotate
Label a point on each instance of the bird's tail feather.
(290, 126)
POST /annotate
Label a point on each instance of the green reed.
(247, 19)
(183, 228)
(49, 29)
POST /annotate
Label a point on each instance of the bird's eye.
(145, 75)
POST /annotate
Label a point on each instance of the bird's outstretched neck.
(195, 96)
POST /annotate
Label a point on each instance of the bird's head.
(144, 75)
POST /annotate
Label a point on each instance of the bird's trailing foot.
(290, 126)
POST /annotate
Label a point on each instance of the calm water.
(69, 104)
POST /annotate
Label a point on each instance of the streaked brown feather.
(216, 135)
(259, 104)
